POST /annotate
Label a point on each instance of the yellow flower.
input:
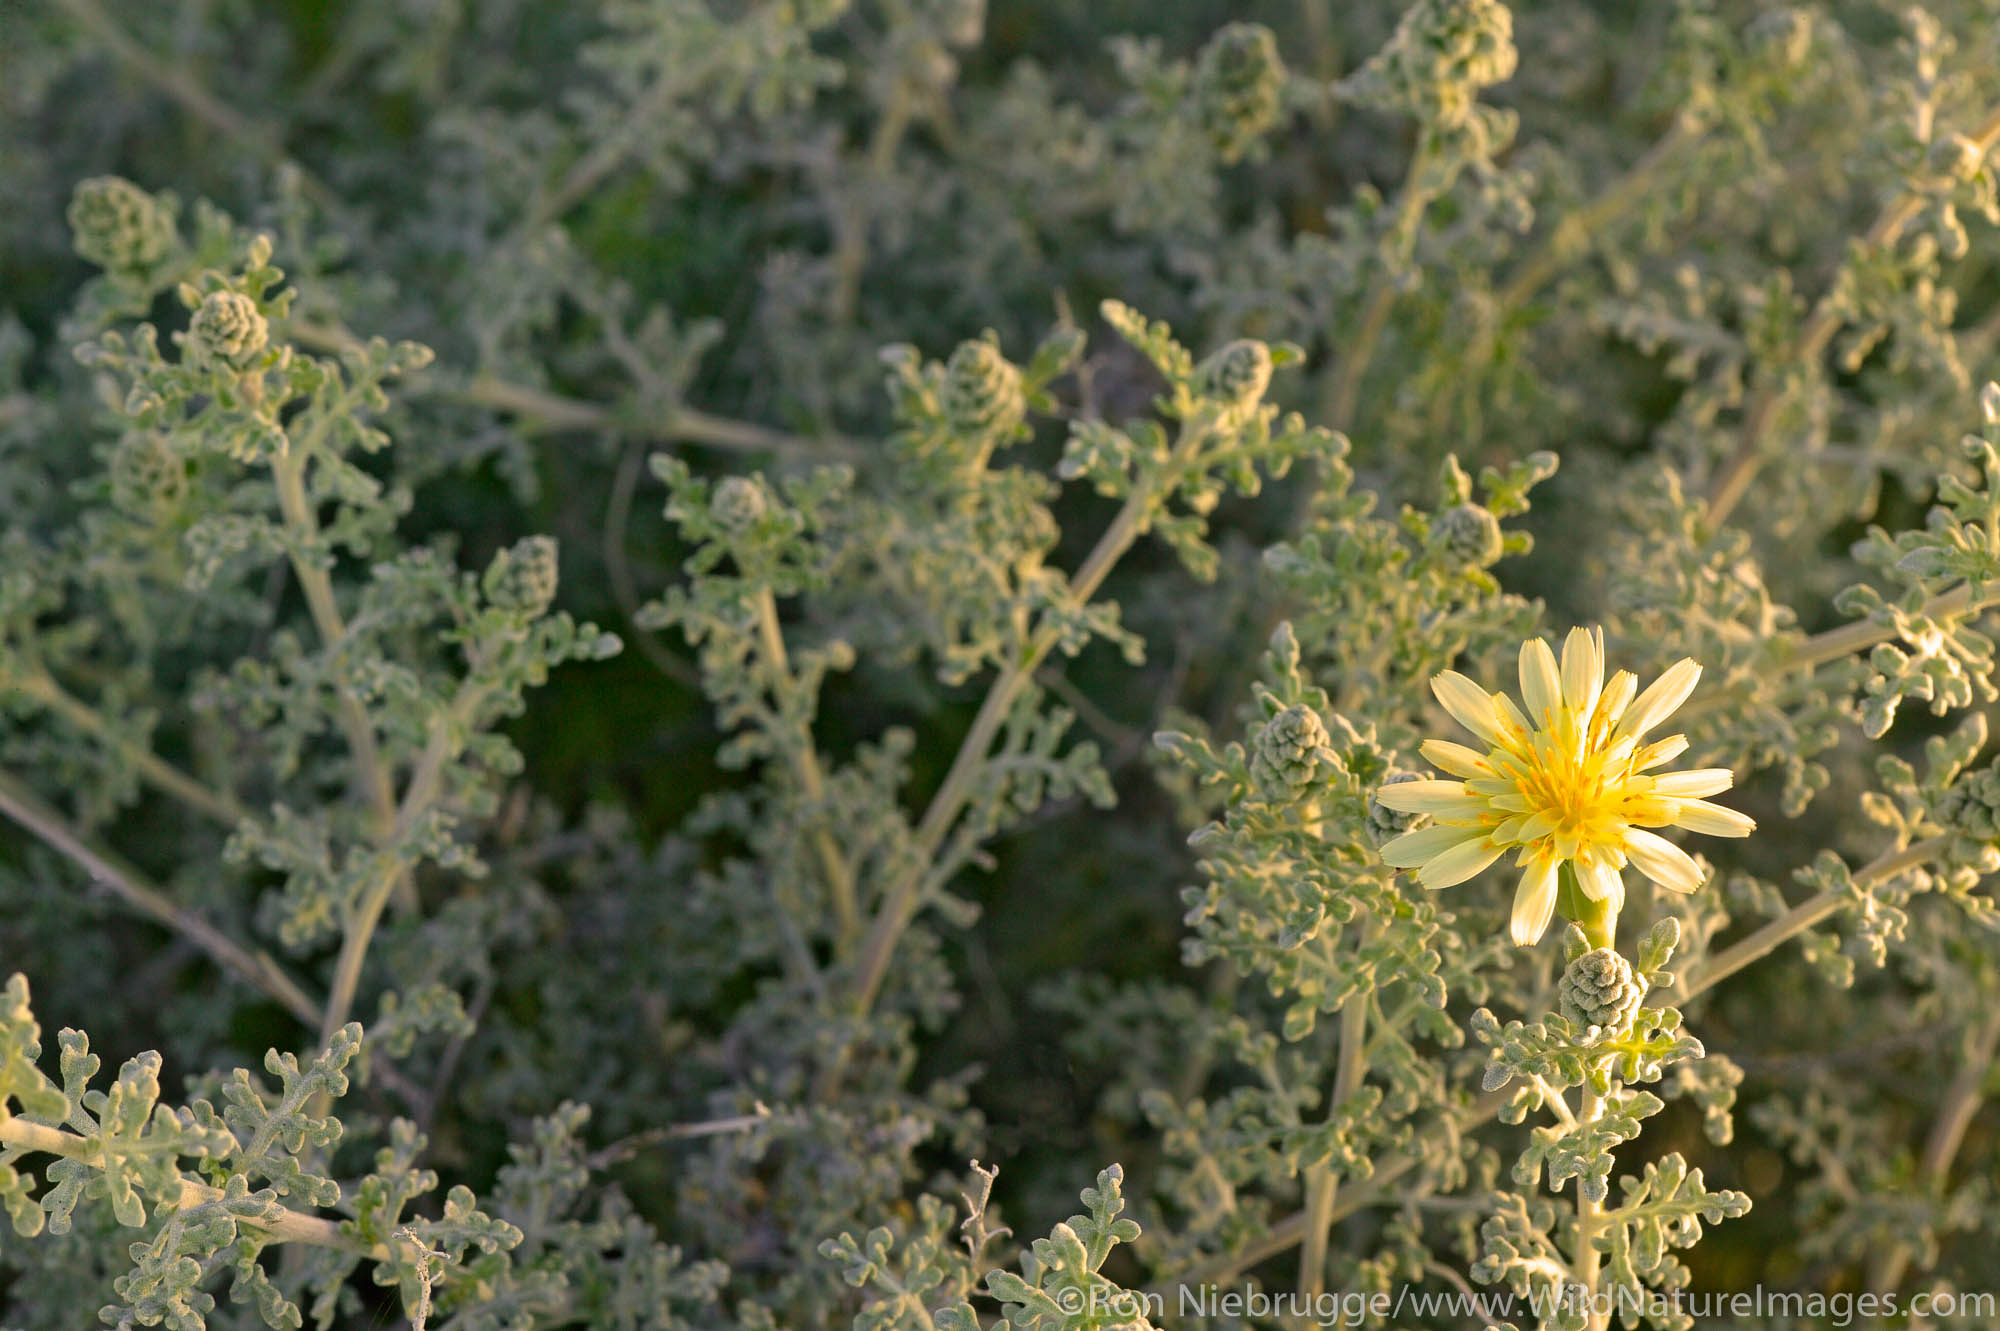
(1564, 783)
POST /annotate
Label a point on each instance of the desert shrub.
(655, 658)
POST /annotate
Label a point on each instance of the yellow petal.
(1582, 670)
(1694, 783)
(1713, 819)
(1598, 879)
(1650, 810)
(1617, 697)
(1659, 751)
(1428, 797)
(1413, 849)
(1661, 697)
(1540, 825)
(1469, 705)
(1662, 861)
(1459, 863)
(1456, 759)
(1541, 687)
(1534, 903)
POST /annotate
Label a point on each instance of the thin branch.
(1732, 482)
(618, 565)
(626, 1148)
(182, 88)
(834, 868)
(850, 253)
(1961, 1102)
(1799, 918)
(1576, 228)
(605, 157)
(1847, 640)
(286, 1226)
(1322, 1183)
(418, 795)
(557, 412)
(220, 805)
(288, 473)
(25, 807)
(1357, 352)
(900, 898)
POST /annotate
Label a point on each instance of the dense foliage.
(657, 658)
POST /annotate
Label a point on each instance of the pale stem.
(1961, 1102)
(900, 898)
(1589, 1210)
(805, 766)
(1732, 482)
(1800, 918)
(285, 1226)
(152, 769)
(567, 413)
(627, 1147)
(1322, 1183)
(288, 473)
(181, 87)
(425, 779)
(1574, 231)
(1847, 640)
(22, 805)
(851, 239)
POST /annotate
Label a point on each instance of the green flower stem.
(1599, 919)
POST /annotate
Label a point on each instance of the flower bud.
(738, 503)
(1599, 988)
(523, 576)
(226, 328)
(1784, 37)
(1957, 157)
(1970, 807)
(1386, 824)
(118, 226)
(148, 478)
(982, 391)
(1470, 534)
(1239, 85)
(1284, 756)
(1238, 373)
